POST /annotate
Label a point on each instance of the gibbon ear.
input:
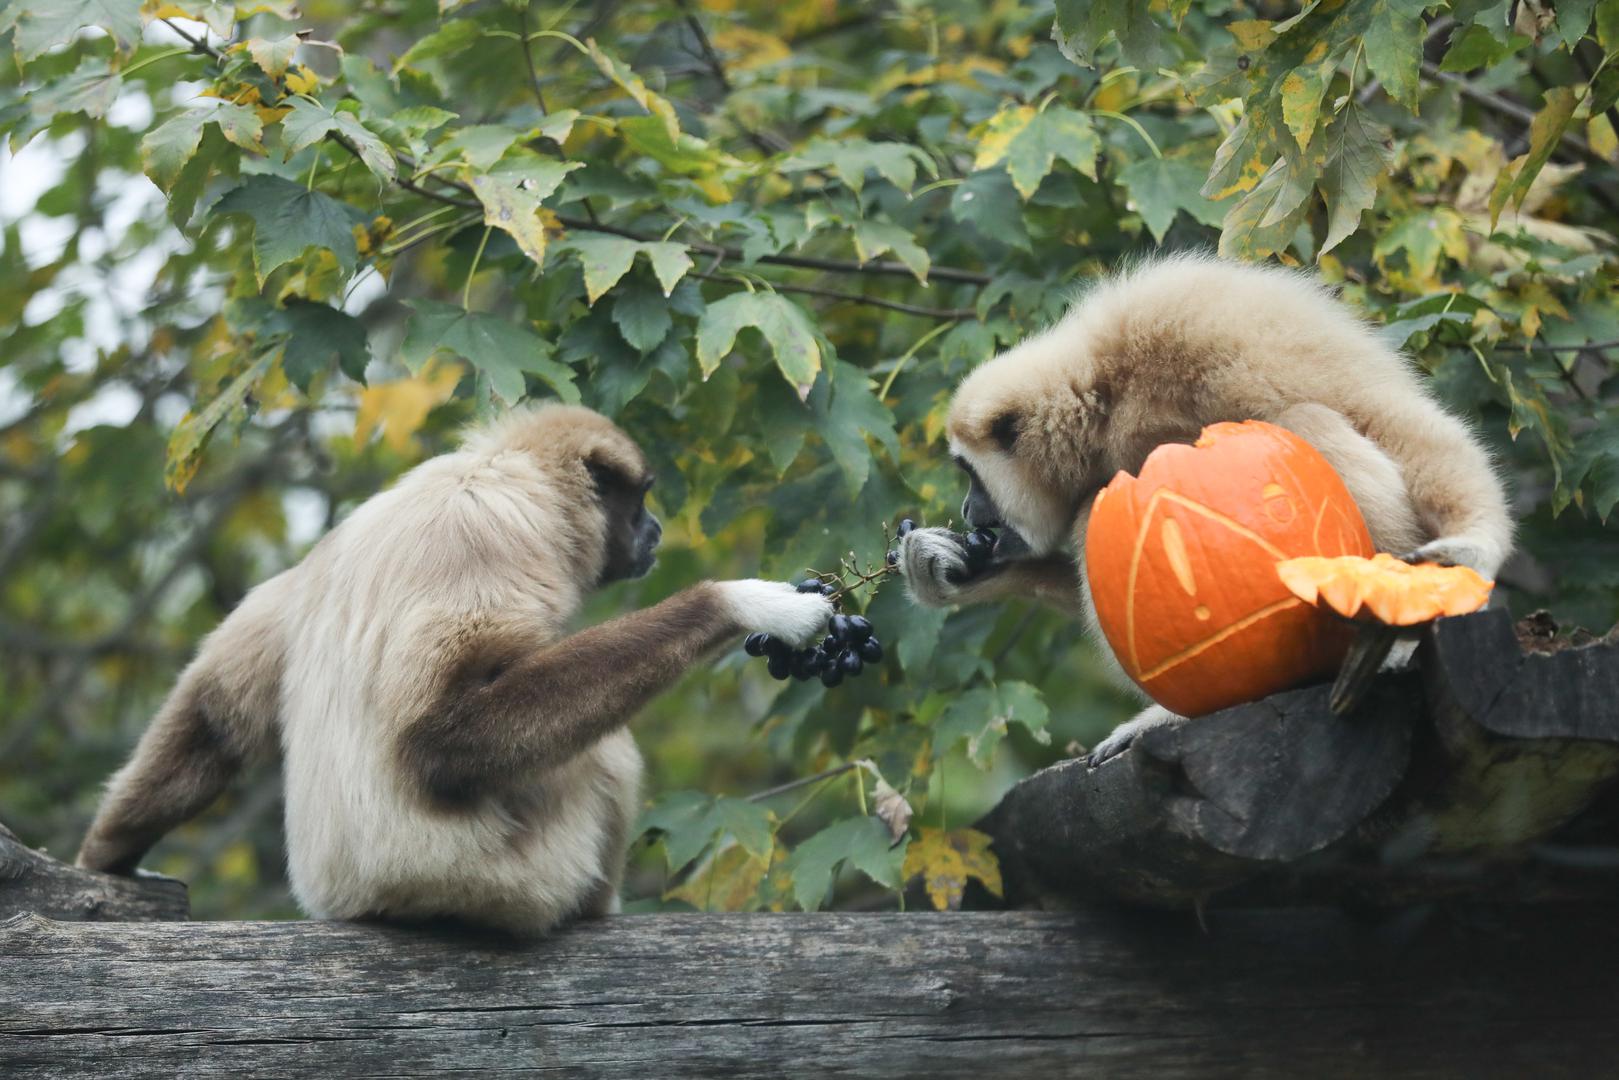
(1004, 430)
(616, 469)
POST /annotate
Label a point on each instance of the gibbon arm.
(935, 567)
(501, 717)
(222, 713)
(1372, 477)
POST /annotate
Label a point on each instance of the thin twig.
(804, 781)
(1497, 103)
(950, 314)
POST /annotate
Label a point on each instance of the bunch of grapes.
(848, 647)
(850, 642)
(979, 546)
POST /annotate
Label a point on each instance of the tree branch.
(951, 314)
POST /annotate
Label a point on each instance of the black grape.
(859, 628)
(892, 558)
(809, 585)
(754, 644)
(980, 547)
(828, 589)
(780, 665)
(905, 527)
(831, 675)
(871, 650)
(839, 628)
(804, 664)
(851, 663)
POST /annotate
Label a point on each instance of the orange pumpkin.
(1385, 589)
(1182, 566)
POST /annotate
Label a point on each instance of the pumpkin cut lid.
(1385, 589)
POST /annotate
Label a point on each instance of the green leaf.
(500, 349)
(288, 219)
(604, 259)
(1545, 131)
(167, 147)
(847, 411)
(47, 23)
(981, 715)
(321, 336)
(194, 174)
(873, 238)
(1393, 43)
(1083, 26)
(642, 317)
(1264, 220)
(91, 89)
(1573, 20)
(273, 55)
(689, 821)
(452, 37)
(1302, 89)
(240, 124)
(670, 262)
(309, 122)
(1476, 47)
(1594, 467)
(511, 195)
(851, 159)
(192, 433)
(1359, 149)
(987, 201)
(785, 327)
(862, 842)
(1030, 142)
(1161, 186)
(631, 83)
(479, 145)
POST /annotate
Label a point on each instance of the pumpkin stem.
(1366, 654)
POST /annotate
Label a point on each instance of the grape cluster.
(848, 647)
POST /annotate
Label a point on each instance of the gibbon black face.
(633, 531)
(979, 511)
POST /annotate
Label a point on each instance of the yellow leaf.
(237, 864)
(302, 81)
(1252, 34)
(996, 135)
(756, 48)
(947, 859)
(727, 882)
(400, 407)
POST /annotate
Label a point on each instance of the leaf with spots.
(945, 860)
(511, 195)
(1030, 142)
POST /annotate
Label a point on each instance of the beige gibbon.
(1151, 356)
(449, 750)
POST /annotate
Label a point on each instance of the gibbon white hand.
(778, 609)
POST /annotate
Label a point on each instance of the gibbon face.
(1024, 427)
(599, 471)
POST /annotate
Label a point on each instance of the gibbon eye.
(1004, 431)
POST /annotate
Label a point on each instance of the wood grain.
(1304, 992)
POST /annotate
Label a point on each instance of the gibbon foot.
(1122, 737)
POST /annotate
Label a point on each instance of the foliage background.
(246, 279)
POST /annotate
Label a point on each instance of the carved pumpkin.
(1182, 566)
(1385, 589)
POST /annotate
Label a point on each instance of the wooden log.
(1444, 783)
(1191, 810)
(1119, 994)
(32, 881)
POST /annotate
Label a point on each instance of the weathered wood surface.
(32, 881)
(1305, 992)
(1445, 782)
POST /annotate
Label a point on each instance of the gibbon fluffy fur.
(448, 750)
(1150, 357)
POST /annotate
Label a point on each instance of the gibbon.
(1150, 357)
(448, 751)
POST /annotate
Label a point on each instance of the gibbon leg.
(1374, 480)
(222, 713)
